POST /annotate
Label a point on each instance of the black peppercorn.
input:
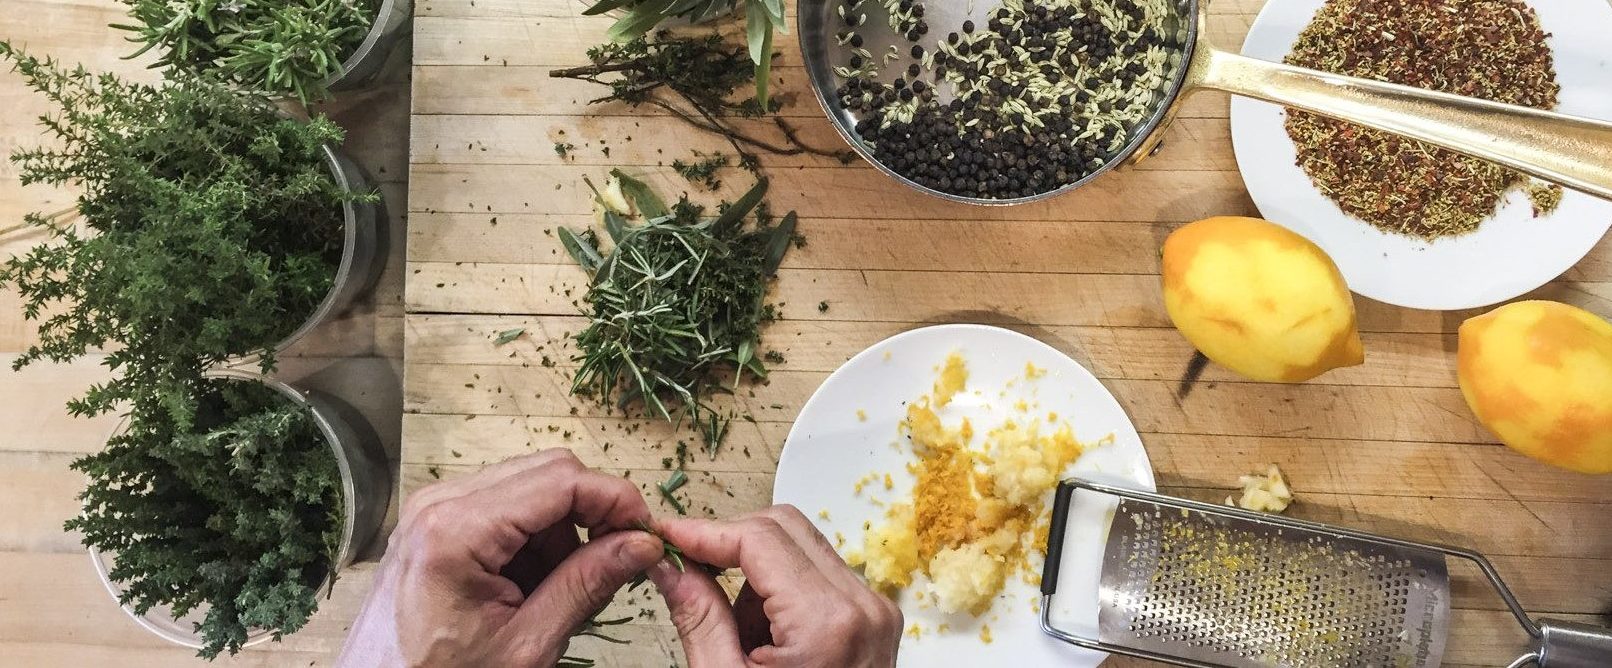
(906, 94)
(856, 62)
(918, 11)
(912, 35)
(917, 51)
(912, 70)
(951, 38)
(923, 28)
(856, 41)
(918, 86)
(899, 83)
(968, 27)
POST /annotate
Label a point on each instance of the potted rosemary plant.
(298, 48)
(209, 228)
(762, 17)
(220, 524)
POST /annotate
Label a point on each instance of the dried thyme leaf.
(1489, 49)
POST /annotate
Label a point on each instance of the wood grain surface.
(1388, 446)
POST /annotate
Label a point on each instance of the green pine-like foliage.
(209, 226)
(275, 47)
(236, 512)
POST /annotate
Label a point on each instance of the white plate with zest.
(1510, 254)
(846, 431)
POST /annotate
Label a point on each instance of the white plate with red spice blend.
(1510, 254)
(848, 433)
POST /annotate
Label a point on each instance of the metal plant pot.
(392, 19)
(363, 256)
(366, 490)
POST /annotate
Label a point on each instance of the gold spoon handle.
(1575, 152)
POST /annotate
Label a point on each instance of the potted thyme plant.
(209, 227)
(298, 48)
(221, 523)
(762, 17)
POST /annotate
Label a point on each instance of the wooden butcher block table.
(1388, 446)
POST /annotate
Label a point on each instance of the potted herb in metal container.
(302, 49)
(209, 227)
(222, 509)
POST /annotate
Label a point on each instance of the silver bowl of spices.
(1025, 100)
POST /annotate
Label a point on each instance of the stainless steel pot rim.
(173, 631)
(344, 268)
(372, 41)
(1155, 123)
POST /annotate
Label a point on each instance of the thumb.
(578, 588)
(702, 614)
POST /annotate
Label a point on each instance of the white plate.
(830, 448)
(1509, 255)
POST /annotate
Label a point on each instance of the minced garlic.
(1266, 493)
(975, 515)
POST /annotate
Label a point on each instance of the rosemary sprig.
(674, 554)
(592, 629)
(675, 304)
(668, 490)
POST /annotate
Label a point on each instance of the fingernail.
(663, 574)
(638, 552)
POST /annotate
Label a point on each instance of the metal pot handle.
(1573, 151)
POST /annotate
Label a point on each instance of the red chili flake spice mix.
(1490, 49)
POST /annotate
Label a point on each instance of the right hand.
(801, 606)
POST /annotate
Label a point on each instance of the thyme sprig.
(676, 303)
(694, 79)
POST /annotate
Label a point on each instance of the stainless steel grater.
(1196, 584)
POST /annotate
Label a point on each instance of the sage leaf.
(643, 198)
(638, 21)
(734, 215)
(604, 6)
(615, 226)
(764, 71)
(508, 335)
(580, 250)
(783, 236)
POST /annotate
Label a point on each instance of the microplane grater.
(1197, 584)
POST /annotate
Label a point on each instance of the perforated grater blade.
(1197, 584)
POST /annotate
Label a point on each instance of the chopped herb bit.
(1545, 198)
(669, 488)
(508, 335)
(702, 172)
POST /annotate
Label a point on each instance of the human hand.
(801, 607)
(488, 570)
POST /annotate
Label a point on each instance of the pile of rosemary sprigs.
(676, 302)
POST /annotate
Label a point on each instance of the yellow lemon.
(1259, 299)
(1539, 375)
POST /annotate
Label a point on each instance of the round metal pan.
(1554, 147)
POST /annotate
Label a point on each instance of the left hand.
(488, 570)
